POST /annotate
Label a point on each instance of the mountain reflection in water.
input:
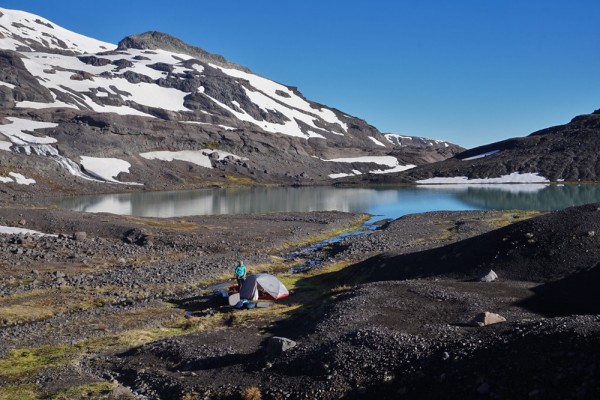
(389, 202)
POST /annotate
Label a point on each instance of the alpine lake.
(381, 202)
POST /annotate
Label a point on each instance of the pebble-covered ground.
(398, 321)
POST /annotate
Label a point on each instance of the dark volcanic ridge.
(562, 153)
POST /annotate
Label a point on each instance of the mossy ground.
(119, 331)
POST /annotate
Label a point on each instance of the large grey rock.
(489, 277)
(486, 318)
(27, 87)
(277, 345)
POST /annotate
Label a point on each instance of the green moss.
(20, 392)
(239, 180)
(96, 390)
(512, 217)
(25, 362)
(212, 145)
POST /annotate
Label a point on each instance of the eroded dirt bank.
(118, 312)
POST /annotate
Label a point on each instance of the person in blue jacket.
(240, 274)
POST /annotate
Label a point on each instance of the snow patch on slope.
(9, 230)
(377, 142)
(391, 162)
(148, 94)
(291, 99)
(106, 169)
(19, 179)
(397, 168)
(198, 157)
(16, 131)
(30, 27)
(382, 160)
(489, 153)
(515, 177)
(505, 187)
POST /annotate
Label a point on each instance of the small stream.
(315, 255)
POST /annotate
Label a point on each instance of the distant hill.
(569, 153)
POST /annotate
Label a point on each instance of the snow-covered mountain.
(155, 111)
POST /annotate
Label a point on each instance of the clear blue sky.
(468, 71)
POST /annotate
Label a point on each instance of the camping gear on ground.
(233, 299)
(221, 294)
(264, 304)
(244, 303)
(270, 285)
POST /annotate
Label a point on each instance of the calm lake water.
(387, 202)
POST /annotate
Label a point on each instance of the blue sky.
(468, 71)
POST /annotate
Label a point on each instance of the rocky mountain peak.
(154, 40)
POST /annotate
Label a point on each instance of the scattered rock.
(80, 236)
(277, 345)
(489, 277)
(486, 318)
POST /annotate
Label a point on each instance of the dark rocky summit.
(153, 40)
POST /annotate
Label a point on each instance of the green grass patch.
(38, 305)
(19, 392)
(164, 223)
(95, 390)
(212, 145)
(512, 217)
(22, 363)
(239, 180)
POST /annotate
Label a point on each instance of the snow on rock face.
(198, 157)
(106, 168)
(397, 168)
(4, 145)
(517, 188)
(284, 95)
(19, 179)
(391, 162)
(382, 160)
(411, 141)
(21, 28)
(274, 97)
(9, 230)
(489, 153)
(44, 66)
(377, 142)
(16, 131)
(515, 177)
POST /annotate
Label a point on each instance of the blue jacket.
(240, 271)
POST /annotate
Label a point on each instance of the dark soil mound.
(577, 294)
(542, 249)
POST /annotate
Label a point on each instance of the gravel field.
(397, 321)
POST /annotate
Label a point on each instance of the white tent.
(265, 282)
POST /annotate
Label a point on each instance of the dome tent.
(265, 282)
